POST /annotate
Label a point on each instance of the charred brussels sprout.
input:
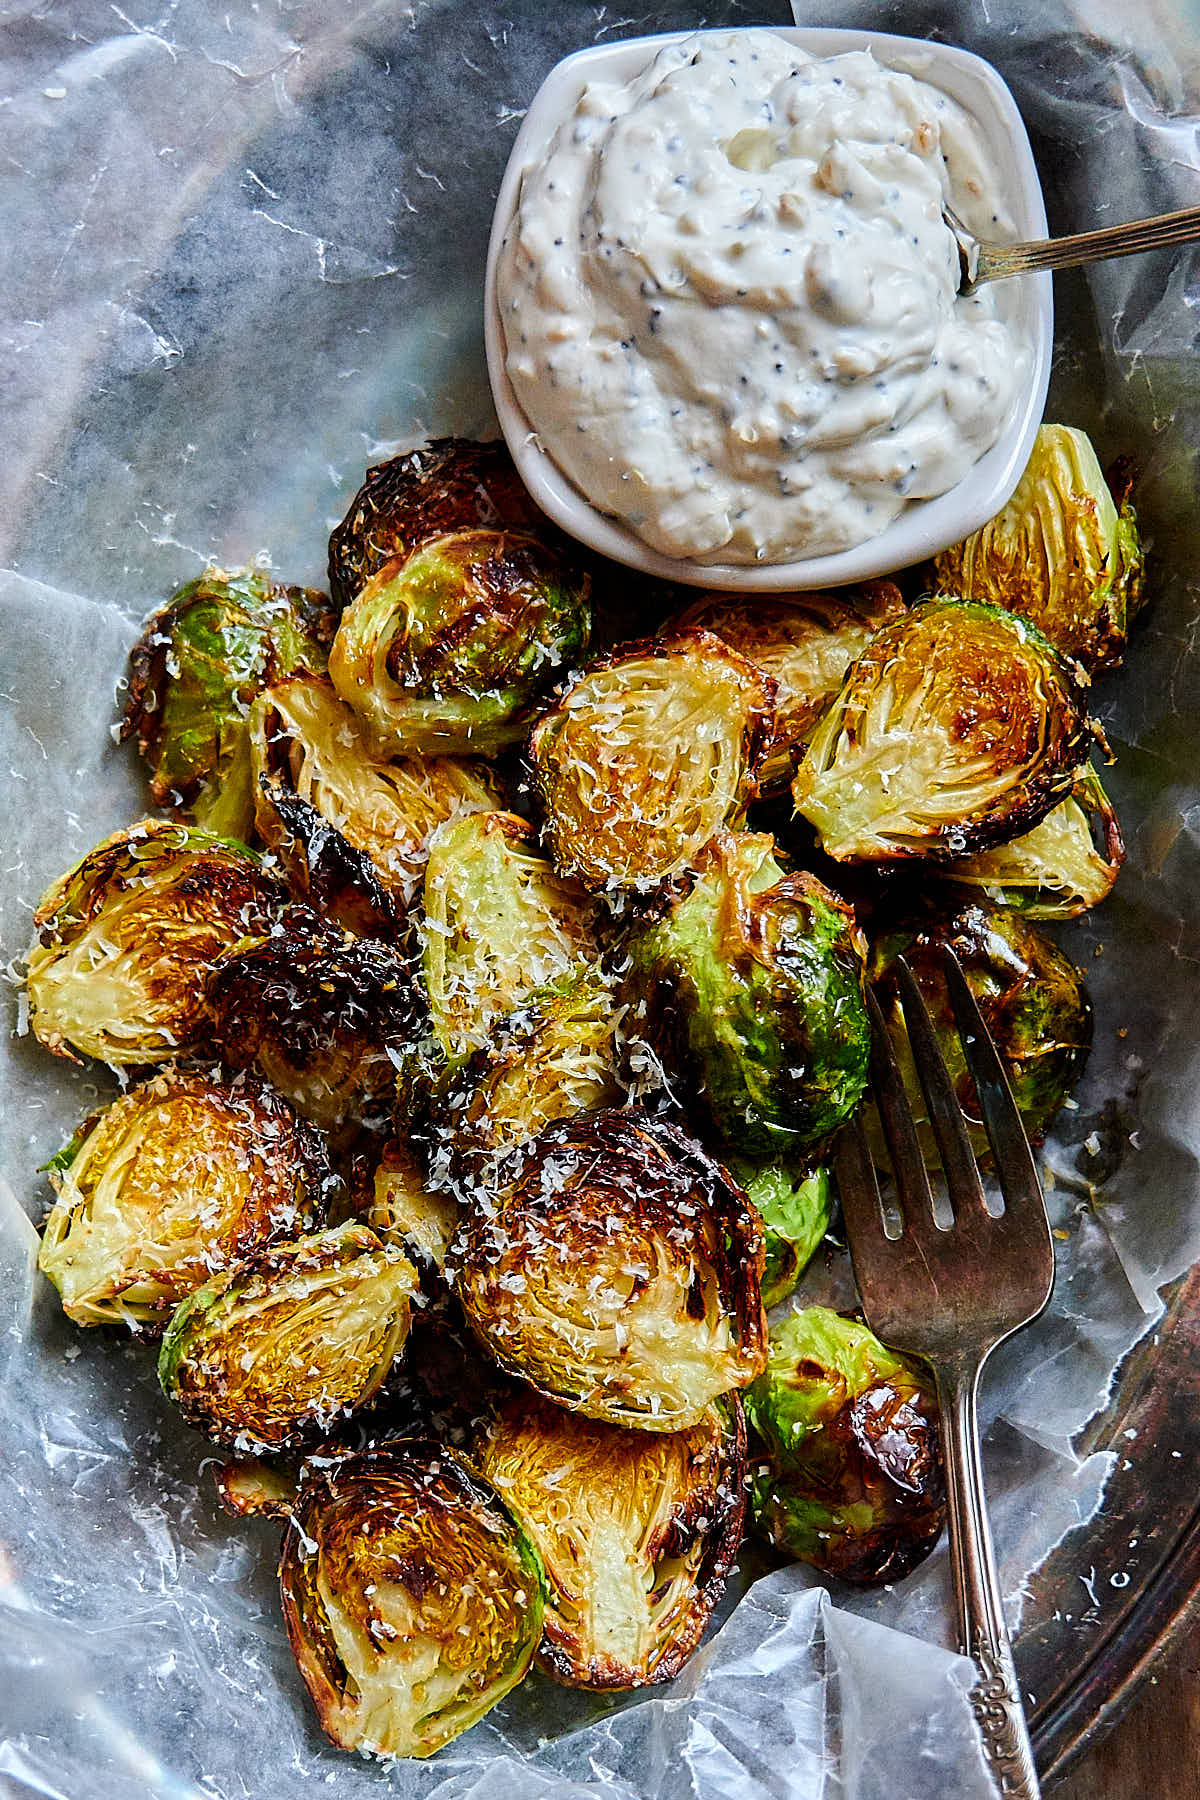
(197, 665)
(269, 1353)
(795, 1209)
(307, 743)
(451, 647)
(959, 727)
(637, 1533)
(1066, 864)
(647, 755)
(413, 1600)
(850, 1478)
(405, 1209)
(619, 1273)
(179, 1177)
(1063, 553)
(323, 1015)
(751, 983)
(498, 923)
(1031, 996)
(450, 484)
(126, 938)
(805, 642)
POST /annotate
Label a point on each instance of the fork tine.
(895, 1115)
(1023, 1199)
(858, 1186)
(945, 1114)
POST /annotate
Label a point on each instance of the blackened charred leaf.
(178, 1178)
(959, 727)
(325, 870)
(1067, 864)
(413, 1600)
(637, 1532)
(618, 1271)
(850, 1475)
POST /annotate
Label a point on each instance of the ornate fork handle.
(983, 1635)
(992, 262)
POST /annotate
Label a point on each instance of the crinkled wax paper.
(244, 246)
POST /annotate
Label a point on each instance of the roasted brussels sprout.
(449, 484)
(959, 727)
(498, 923)
(850, 1479)
(647, 755)
(805, 642)
(197, 665)
(126, 937)
(618, 1273)
(251, 1489)
(322, 1014)
(179, 1177)
(552, 1058)
(751, 984)
(451, 647)
(1066, 864)
(306, 742)
(637, 1533)
(274, 1350)
(1031, 996)
(413, 1600)
(1060, 553)
(795, 1209)
(405, 1209)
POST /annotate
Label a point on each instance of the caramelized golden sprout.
(276, 1350)
(405, 1210)
(413, 1601)
(126, 937)
(178, 1178)
(1067, 864)
(958, 728)
(637, 1531)
(805, 642)
(647, 755)
(618, 1272)
(306, 740)
(498, 923)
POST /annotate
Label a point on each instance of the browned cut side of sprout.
(405, 1209)
(637, 1531)
(805, 642)
(618, 1272)
(307, 742)
(646, 755)
(1067, 864)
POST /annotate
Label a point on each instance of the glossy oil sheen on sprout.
(730, 300)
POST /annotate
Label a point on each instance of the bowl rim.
(925, 526)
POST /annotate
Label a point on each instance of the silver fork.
(950, 1294)
(979, 261)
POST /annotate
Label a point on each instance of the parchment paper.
(245, 253)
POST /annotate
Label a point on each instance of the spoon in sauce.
(980, 261)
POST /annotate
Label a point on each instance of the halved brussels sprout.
(1057, 870)
(618, 1273)
(451, 647)
(449, 484)
(1032, 997)
(646, 755)
(405, 1209)
(126, 937)
(751, 985)
(795, 1209)
(1060, 553)
(498, 923)
(552, 1058)
(959, 727)
(637, 1533)
(197, 665)
(273, 1351)
(805, 642)
(851, 1477)
(307, 742)
(179, 1177)
(413, 1600)
(324, 1016)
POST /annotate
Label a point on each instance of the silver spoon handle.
(994, 261)
(983, 1635)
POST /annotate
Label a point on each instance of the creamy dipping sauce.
(729, 300)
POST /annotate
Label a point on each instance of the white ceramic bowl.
(925, 526)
